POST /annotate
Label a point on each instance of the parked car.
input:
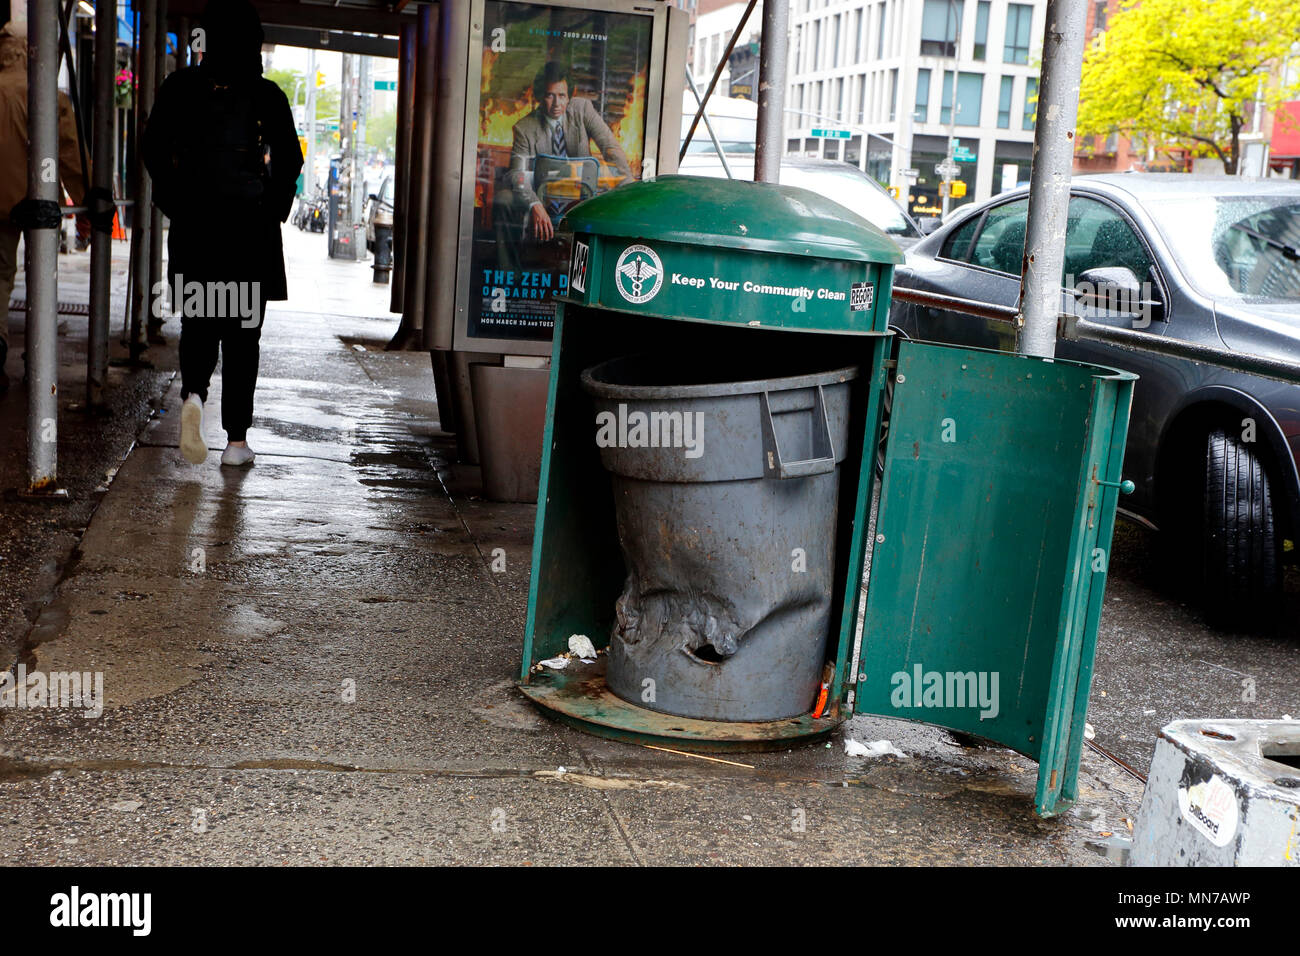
(839, 182)
(379, 212)
(1214, 453)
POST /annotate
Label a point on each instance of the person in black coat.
(222, 150)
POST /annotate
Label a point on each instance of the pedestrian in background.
(222, 149)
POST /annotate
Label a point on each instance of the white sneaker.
(237, 455)
(193, 447)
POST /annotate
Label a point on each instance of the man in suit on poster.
(560, 126)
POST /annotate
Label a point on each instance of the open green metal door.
(992, 540)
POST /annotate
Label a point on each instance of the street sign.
(385, 84)
(946, 169)
(963, 154)
(831, 133)
(910, 173)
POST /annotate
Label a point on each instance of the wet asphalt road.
(1158, 661)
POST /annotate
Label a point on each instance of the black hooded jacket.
(225, 222)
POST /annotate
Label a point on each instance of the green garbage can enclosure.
(987, 562)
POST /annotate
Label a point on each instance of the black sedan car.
(1213, 452)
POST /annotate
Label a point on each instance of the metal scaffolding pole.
(309, 122)
(770, 144)
(101, 239)
(1049, 178)
(143, 188)
(419, 180)
(406, 47)
(42, 234)
(442, 256)
(155, 214)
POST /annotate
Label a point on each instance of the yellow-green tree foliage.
(1182, 73)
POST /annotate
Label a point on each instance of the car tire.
(1241, 546)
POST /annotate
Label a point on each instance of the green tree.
(294, 81)
(1183, 74)
(381, 131)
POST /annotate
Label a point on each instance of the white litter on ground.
(581, 646)
(555, 663)
(1089, 731)
(876, 748)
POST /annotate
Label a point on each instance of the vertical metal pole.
(101, 171)
(155, 214)
(443, 251)
(420, 189)
(42, 247)
(402, 160)
(1049, 178)
(770, 145)
(143, 188)
(346, 137)
(309, 167)
(951, 155)
(364, 83)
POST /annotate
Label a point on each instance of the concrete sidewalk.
(311, 662)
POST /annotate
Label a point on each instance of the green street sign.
(963, 154)
(831, 133)
(385, 84)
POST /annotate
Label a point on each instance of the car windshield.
(1235, 247)
(855, 191)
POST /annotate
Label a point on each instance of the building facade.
(903, 76)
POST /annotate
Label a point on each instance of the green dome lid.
(736, 214)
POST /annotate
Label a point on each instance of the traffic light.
(958, 189)
(320, 78)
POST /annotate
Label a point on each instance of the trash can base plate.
(579, 697)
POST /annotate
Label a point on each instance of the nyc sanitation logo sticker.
(639, 274)
(1210, 807)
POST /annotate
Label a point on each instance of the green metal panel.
(985, 588)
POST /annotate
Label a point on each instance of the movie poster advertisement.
(562, 114)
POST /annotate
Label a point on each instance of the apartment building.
(713, 30)
(902, 76)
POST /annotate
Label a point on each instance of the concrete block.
(1222, 793)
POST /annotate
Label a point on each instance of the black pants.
(240, 349)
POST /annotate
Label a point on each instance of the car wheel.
(1241, 554)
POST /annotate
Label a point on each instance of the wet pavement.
(312, 661)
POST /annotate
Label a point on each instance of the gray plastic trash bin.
(725, 492)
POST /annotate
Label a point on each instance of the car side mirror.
(928, 224)
(374, 197)
(1117, 289)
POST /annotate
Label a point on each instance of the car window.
(1235, 247)
(957, 245)
(1001, 242)
(1098, 237)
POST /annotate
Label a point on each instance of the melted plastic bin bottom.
(726, 609)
